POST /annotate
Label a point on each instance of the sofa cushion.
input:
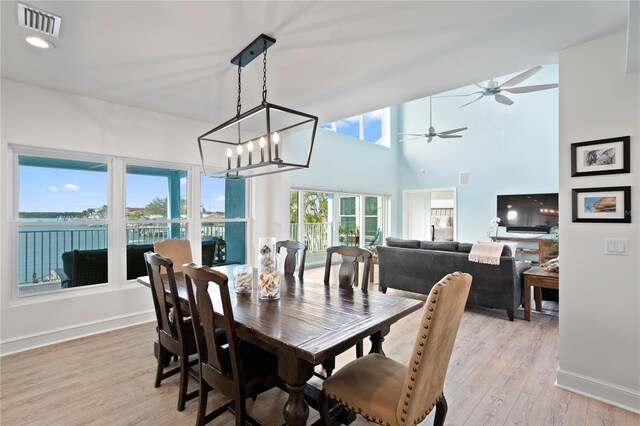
(402, 243)
(465, 247)
(439, 245)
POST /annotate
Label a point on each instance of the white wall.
(37, 117)
(506, 150)
(599, 295)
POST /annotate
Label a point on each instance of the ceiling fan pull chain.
(264, 72)
(239, 104)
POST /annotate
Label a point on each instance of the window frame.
(116, 220)
(385, 127)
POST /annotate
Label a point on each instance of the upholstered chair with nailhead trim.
(387, 392)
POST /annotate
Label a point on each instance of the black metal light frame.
(271, 161)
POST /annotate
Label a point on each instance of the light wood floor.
(501, 372)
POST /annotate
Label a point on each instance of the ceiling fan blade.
(469, 103)
(521, 77)
(482, 86)
(503, 99)
(413, 134)
(526, 89)
(430, 139)
(457, 96)
(410, 139)
(449, 136)
(448, 132)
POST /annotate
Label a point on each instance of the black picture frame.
(583, 201)
(581, 155)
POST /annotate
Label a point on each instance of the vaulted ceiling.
(333, 59)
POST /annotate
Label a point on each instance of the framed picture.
(601, 157)
(602, 205)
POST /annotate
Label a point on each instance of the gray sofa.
(415, 266)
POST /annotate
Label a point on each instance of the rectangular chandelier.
(264, 140)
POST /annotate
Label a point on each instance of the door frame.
(405, 214)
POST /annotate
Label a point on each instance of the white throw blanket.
(486, 253)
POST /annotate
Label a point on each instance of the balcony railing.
(317, 236)
(40, 251)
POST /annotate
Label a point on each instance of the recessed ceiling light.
(39, 42)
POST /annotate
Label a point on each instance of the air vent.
(38, 20)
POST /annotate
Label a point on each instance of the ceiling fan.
(492, 88)
(432, 132)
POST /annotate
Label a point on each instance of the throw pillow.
(439, 245)
(443, 221)
(399, 242)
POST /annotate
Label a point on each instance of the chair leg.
(510, 314)
(162, 356)
(241, 412)
(184, 382)
(323, 408)
(202, 401)
(441, 411)
(359, 349)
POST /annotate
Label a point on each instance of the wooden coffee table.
(537, 277)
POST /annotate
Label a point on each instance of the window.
(62, 217)
(223, 220)
(155, 210)
(372, 127)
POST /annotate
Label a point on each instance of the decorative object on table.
(493, 227)
(283, 135)
(600, 157)
(269, 275)
(602, 205)
(432, 132)
(243, 278)
(552, 265)
(493, 88)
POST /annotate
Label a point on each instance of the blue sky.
(61, 190)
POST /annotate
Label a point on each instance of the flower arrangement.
(493, 227)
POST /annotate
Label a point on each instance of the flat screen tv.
(536, 213)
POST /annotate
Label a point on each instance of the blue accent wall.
(234, 207)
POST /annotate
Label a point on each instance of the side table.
(537, 277)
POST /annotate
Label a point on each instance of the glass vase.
(268, 272)
(243, 278)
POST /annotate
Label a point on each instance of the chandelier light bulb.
(239, 150)
(229, 153)
(276, 137)
(250, 146)
(262, 142)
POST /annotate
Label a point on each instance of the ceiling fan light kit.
(264, 140)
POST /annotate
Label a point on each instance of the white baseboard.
(628, 399)
(23, 343)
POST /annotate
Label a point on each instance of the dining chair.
(293, 248)
(236, 368)
(179, 251)
(347, 278)
(175, 334)
(387, 392)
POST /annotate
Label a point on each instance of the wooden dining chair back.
(349, 266)
(179, 251)
(295, 249)
(235, 368)
(387, 392)
(175, 337)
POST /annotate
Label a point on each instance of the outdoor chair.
(239, 370)
(179, 251)
(175, 334)
(293, 248)
(390, 393)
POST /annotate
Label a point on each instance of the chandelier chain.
(239, 104)
(264, 72)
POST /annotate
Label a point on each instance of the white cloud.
(70, 187)
(52, 189)
(219, 198)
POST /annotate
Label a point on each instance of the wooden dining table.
(310, 324)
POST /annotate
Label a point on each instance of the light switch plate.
(616, 247)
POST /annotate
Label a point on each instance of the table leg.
(537, 292)
(295, 373)
(527, 301)
(376, 340)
